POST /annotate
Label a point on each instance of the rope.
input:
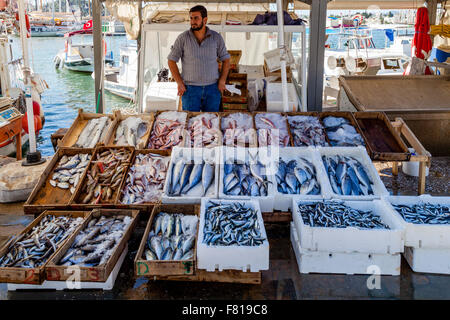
(440, 29)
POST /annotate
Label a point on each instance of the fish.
(94, 132)
(145, 179)
(204, 131)
(347, 176)
(424, 213)
(272, 129)
(131, 132)
(187, 176)
(207, 176)
(237, 129)
(168, 130)
(171, 237)
(307, 131)
(68, 171)
(297, 177)
(341, 132)
(33, 248)
(96, 242)
(335, 214)
(229, 224)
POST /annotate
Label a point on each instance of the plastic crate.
(274, 98)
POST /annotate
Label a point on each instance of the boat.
(79, 57)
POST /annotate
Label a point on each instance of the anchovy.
(424, 213)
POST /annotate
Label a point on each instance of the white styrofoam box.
(428, 260)
(423, 235)
(283, 201)
(352, 239)
(244, 155)
(245, 258)
(195, 155)
(343, 263)
(274, 98)
(161, 96)
(360, 154)
(273, 59)
(253, 71)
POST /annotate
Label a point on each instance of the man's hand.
(181, 88)
(221, 86)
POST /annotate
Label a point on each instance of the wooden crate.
(55, 272)
(194, 114)
(184, 133)
(225, 114)
(140, 206)
(234, 106)
(147, 117)
(166, 267)
(241, 80)
(287, 124)
(77, 199)
(71, 137)
(383, 141)
(277, 73)
(44, 196)
(34, 275)
(235, 57)
(308, 114)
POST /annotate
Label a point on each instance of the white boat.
(79, 57)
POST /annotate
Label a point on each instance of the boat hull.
(120, 90)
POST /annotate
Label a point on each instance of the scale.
(8, 114)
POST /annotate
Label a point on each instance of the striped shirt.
(199, 61)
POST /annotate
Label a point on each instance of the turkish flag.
(87, 25)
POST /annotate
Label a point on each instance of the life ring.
(27, 24)
(358, 18)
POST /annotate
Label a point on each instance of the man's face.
(197, 22)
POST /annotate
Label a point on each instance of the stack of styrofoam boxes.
(349, 250)
(249, 156)
(427, 246)
(192, 155)
(235, 257)
(283, 202)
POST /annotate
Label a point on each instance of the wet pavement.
(281, 281)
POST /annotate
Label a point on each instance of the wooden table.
(13, 128)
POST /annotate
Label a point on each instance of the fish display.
(32, 249)
(229, 224)
(105, 175)
(237, 129)
(245, 179)
(167, 130)
(95, 244)
(272, 129)
(131, 132)
(145, 180)
(307, 131)
(341, 132)
(69, 171)
(191, 178)
(297, 177)
(172, 237)
(204, 130)
(347, 176)
(94, 132)
(424, 213)
(337, 215)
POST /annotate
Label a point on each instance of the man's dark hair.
(200, 9)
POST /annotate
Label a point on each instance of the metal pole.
(98, 54)
(139, 46)
(281, 45)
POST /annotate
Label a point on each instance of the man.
(199, 85)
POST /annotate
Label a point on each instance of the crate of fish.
(297, 173)
(351, 174)
(193, 174)
(428, 260)
(341, 129)
(248, 173)
(426, 220)
(145, 178)
(232, 236)
(130, 130)
(94, 249)
(169, 244)
(169, 130)
(59, 180)
(306, 129)
(23, 259)
(347, 226)
(238, 129)
(309, 261)
(101, 182)
(272, 129)
(87, 130)
(204, 129)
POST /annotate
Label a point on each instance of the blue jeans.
(201, 98)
